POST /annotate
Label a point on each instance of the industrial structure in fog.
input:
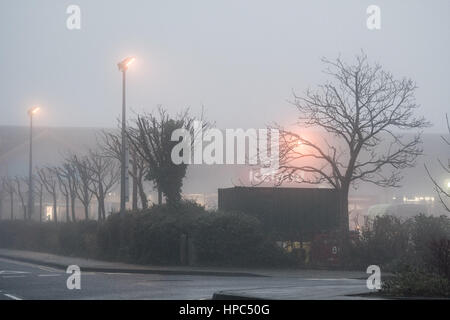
(288, 214)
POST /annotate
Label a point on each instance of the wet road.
(20, 281)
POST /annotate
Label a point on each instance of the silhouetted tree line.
(94, 174)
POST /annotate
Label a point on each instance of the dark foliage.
(152, 236)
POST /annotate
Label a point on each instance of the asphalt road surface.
(19, 281)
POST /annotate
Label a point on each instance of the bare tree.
(111, 144)
(10, 189)
(64, 188)
(443, 192)
(363, 108)
(104, 175)
(22, 190)
(49, 180)
(39, 192)
(68, 173)
(84, 181)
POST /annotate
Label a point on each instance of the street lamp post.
(124, 187)
(31, 112)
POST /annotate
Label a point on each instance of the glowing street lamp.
(124, 185)
(32, 111)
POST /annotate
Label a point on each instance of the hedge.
(152, 237)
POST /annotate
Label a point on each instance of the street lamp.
(124, 186)
(32, 111)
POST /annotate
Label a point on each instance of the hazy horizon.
(232, 58)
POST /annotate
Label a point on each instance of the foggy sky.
(239, 59)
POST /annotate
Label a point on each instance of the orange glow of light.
(130, 61)
(33, 110)
(125, 63)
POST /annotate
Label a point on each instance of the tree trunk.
(67, 209)
(72, 199)
(135, 188)
(55, 213)
(102, 208)
(40, 206)
(86, 211)
(142, 195)
(99, 210)
(159, 196)
(343, 210)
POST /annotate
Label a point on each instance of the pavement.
(61, 262)
(32, 275)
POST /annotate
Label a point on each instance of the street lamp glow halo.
(126, 63)
(33, 110)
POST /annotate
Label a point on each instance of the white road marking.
(12, 297)
(32, 265)
(329, 279)
(49, 275)
(2, 272)
(119, 273)
(48, 269)
(6, 277)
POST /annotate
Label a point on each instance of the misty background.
(238, 60)
(232, 57)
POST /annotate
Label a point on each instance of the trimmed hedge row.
(153, 237)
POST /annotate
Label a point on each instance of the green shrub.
(425, 231)
(384, 241)
(152, 236)
(396, 244)
(78, 239)
(28, 235)
(234, 238)
(416, 283)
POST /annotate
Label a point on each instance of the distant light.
(130, 62)
(125, 63)
(448, 184)
(33, 110)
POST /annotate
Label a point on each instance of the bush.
(78, 239)
(426, 232)
(417, 283)
(417, 250)
(153, 236)
(396, 244)
(384, 241)
(439, 259)
(235, 239)
(150, 236)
